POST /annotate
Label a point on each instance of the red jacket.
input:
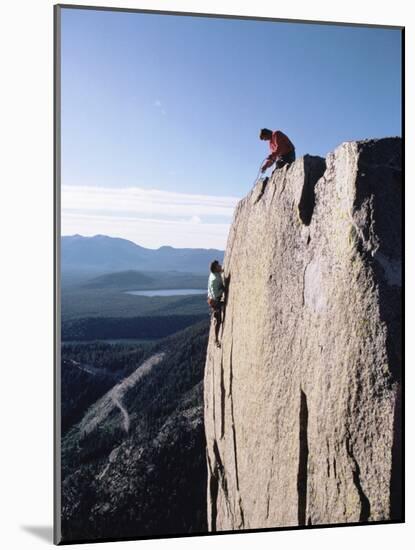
(279, 145)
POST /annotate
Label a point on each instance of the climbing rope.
(259, 171)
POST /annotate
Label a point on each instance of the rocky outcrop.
(302, 400)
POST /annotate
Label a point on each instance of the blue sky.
(160, 114)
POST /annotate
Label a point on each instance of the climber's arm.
(272, 157)
(269, 161)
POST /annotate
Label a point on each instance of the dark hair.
(213, 265)
(265, 132)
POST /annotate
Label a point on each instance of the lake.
(170, 292)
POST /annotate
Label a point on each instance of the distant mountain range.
(103, 254)
(147, 280)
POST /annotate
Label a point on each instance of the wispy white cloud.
(150, 217)
(137, 200)
(157, 103)
(148, 232)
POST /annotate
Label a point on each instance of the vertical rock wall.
(302, 401)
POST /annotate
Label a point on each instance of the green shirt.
(215, 286)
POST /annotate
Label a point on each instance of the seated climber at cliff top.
(216, 289)
(282, 150)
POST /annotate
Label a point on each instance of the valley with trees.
(133, 445)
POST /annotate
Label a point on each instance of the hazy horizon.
(135, 242)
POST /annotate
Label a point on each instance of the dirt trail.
(126, 417)
(113, 398)
(90, 369)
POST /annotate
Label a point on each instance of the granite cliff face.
(302, 401)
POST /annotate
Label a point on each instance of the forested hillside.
(146, 476)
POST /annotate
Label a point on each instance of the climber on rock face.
(282, 150)
(216, 289)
